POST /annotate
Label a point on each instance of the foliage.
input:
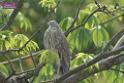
(50, 4)
(9, 41)
(49, 57)
(81, 58)
(46, 73)
(65, 23)
(22, 21)
(100, 36)
(4, 70)
(4, 37)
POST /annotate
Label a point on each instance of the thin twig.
(58, 3)
(53, 10)
(37, 70)
(9, 63)
(75, 18)
(101, 9)
(119, 8)
(31, 70)
(111, 19)
(48, 81)
(32, 59)
(72, 29)
(23, 57)
(20, 64)
(11, 67)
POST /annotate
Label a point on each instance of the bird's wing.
(63, 50)
(47, 39)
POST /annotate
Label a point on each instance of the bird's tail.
(64, 69)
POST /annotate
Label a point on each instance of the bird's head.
(53, 23)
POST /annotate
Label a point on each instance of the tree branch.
(115, 37)
(91, 62)
(113, 40)
(111, 19)
(99, 9)
(119, 43)
(104, 65)
(22, 57)
(75, 18)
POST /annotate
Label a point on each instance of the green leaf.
(47, 3)
(71, 40)
(4, 70)
(80, 39)
(83, 38)
(81, 58)
(5, 36)
(100, 36)
(18, 41)
(65, 23)
(46, 73)
(24, 22)
(82, 15)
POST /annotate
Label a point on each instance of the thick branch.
(119, 43)
(104, 65)
(113, 40)
(95, 60)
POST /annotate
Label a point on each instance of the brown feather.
(55, 40)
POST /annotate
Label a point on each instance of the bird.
(55, 40)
